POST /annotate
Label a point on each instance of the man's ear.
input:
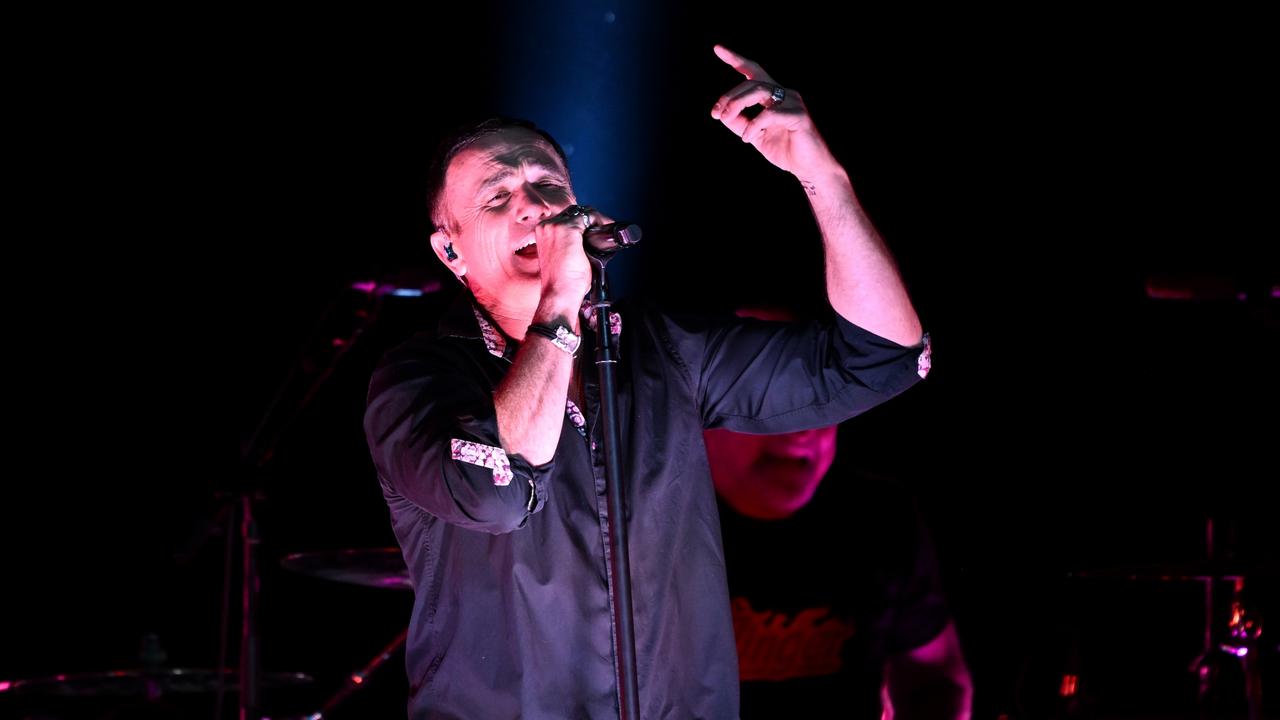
(448, 254)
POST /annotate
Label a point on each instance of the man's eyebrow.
(495, 179)
(505, 173)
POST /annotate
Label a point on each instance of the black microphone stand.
(624, 638)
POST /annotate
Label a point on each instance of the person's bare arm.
(863, 284)
(530, 400)
(931, 681)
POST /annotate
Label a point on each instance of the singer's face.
(769, 476)
(496, 191)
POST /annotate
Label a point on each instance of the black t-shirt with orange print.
(822, 598)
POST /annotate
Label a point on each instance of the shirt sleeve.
(433, 434)
(758, 376)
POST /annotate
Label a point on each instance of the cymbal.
(372, 567)
(1200, 570)
(159, 681)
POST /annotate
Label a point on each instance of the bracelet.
(559, 335)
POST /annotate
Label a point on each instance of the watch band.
(559, 335)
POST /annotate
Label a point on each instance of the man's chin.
(778, 506)
(526, 266)
(792, 495)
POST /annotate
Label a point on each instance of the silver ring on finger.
(576, 211)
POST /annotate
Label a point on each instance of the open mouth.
(528, 249)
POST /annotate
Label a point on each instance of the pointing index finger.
(749, 68)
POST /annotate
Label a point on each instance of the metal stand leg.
(357, 679)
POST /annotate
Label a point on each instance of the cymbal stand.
(1242, 640)
(314, 364)
(356, 679)
(1205, 665)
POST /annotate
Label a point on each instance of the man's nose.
(534, 205)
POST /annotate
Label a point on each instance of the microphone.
(608, 239)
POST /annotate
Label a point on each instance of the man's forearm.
(530, 400)
(863, 283)
(931, 681)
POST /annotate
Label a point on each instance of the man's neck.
(513, 314)
(516, 311)
(513, 324)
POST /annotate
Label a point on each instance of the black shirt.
(511, 614)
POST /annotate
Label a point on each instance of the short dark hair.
(457, 141)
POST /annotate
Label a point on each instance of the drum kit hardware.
(371, 567)
(1229, 631)
(142, 683)
(381, 567)
(153, 688)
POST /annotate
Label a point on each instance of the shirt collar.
(495, 341)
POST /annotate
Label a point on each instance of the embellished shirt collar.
(494, 341)
(615, 320)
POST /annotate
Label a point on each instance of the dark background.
(194, 197)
